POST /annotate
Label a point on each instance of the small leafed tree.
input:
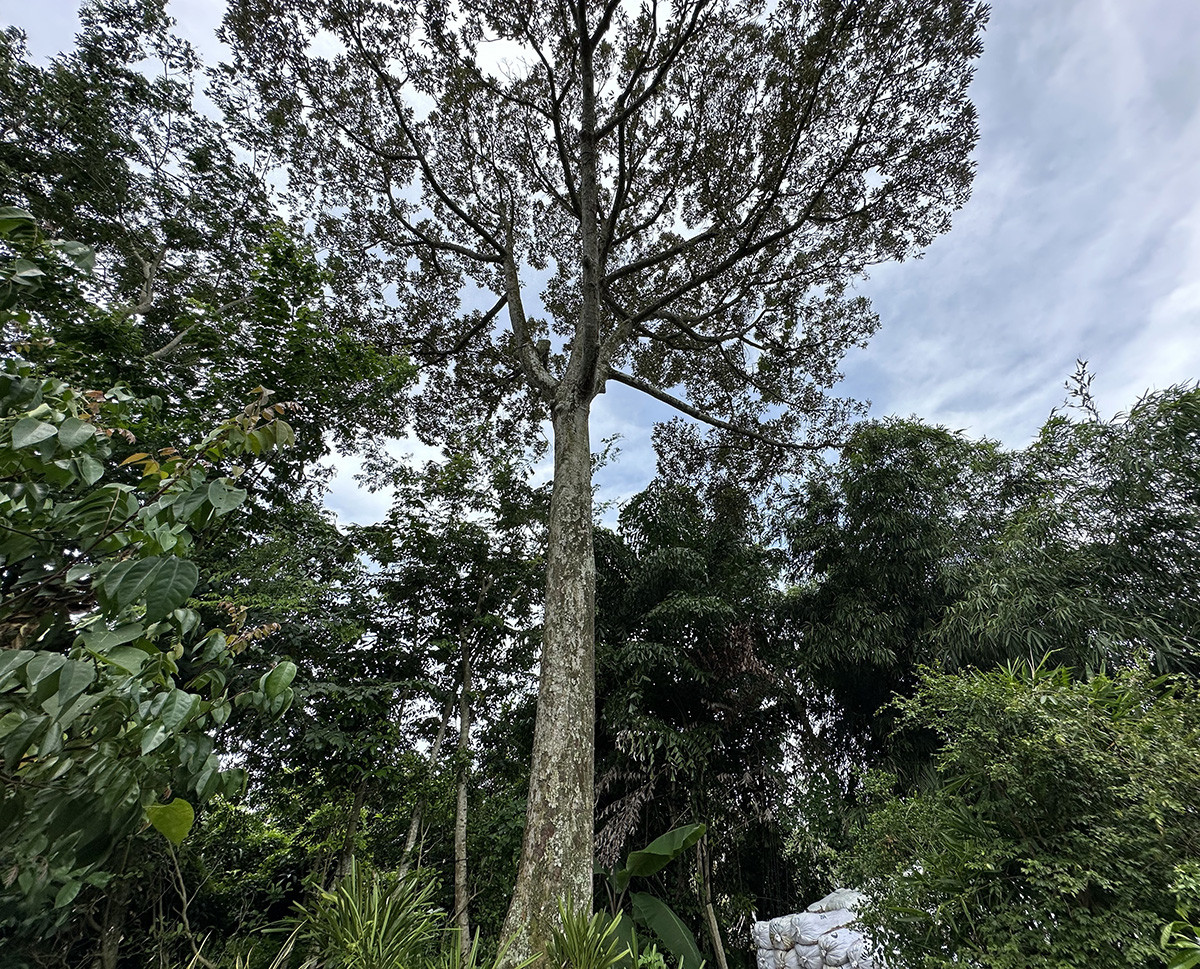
(692, 187)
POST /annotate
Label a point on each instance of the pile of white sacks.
(819, 938)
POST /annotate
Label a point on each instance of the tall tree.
(698, 695)
(881, 544)
(198, 282)
(699, 182)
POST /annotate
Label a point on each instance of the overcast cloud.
(1081, 239)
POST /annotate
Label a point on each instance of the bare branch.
(684, 407)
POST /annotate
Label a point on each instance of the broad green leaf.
(100, 639)
(178, 709)
(185, 505)
(129, 658)
(663, 850)
(663, 922)
(84, 257)
(11, 661)
(153, 738)
(90, 470)
(225, 498)
(23, 269)
(278, 680)
(41, 666)
(66, 894)
(19, 741)
(172, 583)
(73, 432)
(75, 677)
(173, 821)
(125, 583)
(29, 431)
(12, 218)
(208, 782)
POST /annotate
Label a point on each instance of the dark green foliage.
(201, 292)
(697, 693)
(879, 545)
(110, 686)
(922, 546)
(1098, 560)
(1061, 812)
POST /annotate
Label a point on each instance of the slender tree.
(693, 186)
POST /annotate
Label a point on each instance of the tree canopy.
(798, 656)
(697, 187)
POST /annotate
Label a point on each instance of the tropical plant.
(1052, 834)
(370, 920)
(109, 688)
(582, 941)
(200, 289)
(648, 910)
(1181, 938)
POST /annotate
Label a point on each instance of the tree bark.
(116, 908)
(556, 853)
(461, 892)
(414, 826)
(348, 843)
(704, 860)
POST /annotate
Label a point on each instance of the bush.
(1051, 836)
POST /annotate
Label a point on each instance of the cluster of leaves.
(24, 253)
(198, 283)
(1181, 937)
(696, 690)
(877, 544)
(374, 920)
(1097, 561)
(648, 910)
(1051, 836)
(922, 546)
(109, 687)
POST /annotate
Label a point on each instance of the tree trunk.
(116, 908)
(556, 853)
(348, 844)
(710, 916)
(414, 826)
(461, 893)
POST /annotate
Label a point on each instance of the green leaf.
(124, 583)
(29, 431)
(41, 666)
(152, 738)
(22, 269)
(73, 432)
(90, 470)
(173, 821)
(100, 639)
(224, 498)
(75, 677)
(84, 257)
(663, 850)
(11, 661)
(663, 922)
(129, 658)
(178, 709)
(278, 680)
(172, 583)
(66, 894)
(18, 742)
(12, 218)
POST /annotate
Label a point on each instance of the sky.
(1081, 238)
